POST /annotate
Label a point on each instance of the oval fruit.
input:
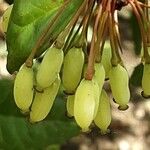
(97, 92)
(72, 69)
(146, 81)
(84, 104)
(119, 81)
(23, 88)
(106, 59)
(99, 75)
(98, 79)
(43, 102)
(70, 105)
(49, 67)
(103, 117)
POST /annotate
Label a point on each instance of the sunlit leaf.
(28, 21)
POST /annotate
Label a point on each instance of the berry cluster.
(83, 66)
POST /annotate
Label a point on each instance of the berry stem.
(73, 24)
(143, 33)
(29, 61)
(116, 59)
(91, 60)
(101, 34)
(116, 29)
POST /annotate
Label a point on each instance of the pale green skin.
(5, 19)
(84, 104)
(49, 68)
(97, 92)
(146, 80)
(98, 78)
(119, 81)
(99, 75)
(23, 88)
(43, 102)
(70, 105)
(72, 69)
(106, 59)
(103, 117)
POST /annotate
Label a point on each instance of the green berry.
(72, 69)
(23, 88)
(49, 67)
(146, 80)
(119, 81)
(84, 104)
(70, 105)
(106, 59)
(43, 102)
(103, 116)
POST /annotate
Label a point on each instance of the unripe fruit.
(103, 117)
(70, 105)
(72, 69)
(99, 75)
(98, 79)
(49, 68)
(106, 59)
(43, 102)
(23, 88)
(119, 81)
(97, 92)
(5, 19)
(146, 81)
(84, 104)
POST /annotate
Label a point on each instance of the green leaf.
(4, 89)
(17, 133)
(28, 21)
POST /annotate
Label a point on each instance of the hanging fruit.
(80, 62)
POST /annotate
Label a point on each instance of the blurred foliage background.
(130, 130)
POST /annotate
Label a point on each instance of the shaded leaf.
(5, 87)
